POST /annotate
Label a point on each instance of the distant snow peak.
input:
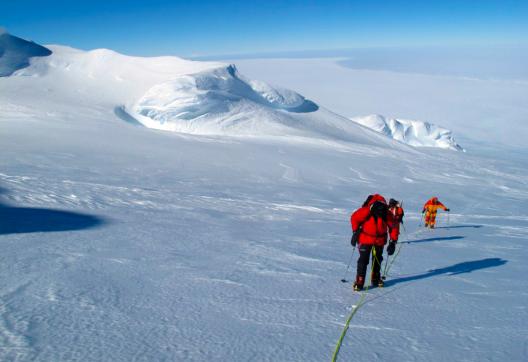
(15, 53)
(217, 101)
(411, 132)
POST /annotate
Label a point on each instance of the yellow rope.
(353, 312)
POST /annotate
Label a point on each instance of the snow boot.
(376, 281)
(358, 284)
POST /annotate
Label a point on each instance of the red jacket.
(398, 213)
(374, 232)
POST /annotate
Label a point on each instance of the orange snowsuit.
(431, 208)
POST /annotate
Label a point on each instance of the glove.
(391, 248)
(448, 210)
(355, 238)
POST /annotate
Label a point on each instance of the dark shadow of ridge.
(306, 107)
(460, 268)
(121, 113)
(15, 53)
(20, 220)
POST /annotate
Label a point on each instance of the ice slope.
(128, 243)
(413, 133)
(15, 53)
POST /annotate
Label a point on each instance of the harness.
(384, 235)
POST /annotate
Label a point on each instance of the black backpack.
(379, 210)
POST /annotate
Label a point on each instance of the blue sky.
(199, 28)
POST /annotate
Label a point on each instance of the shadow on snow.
(459, 226)
(19, 220)
(433, 239)
(460, 268)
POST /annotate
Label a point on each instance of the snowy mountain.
(15, 53)
(174, 94)
(122, 242)
(220, 101)
(413, 133)
(217, 101)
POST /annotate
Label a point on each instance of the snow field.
(213, 247)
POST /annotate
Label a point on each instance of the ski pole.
(388, 266)
(348, 266)
(383, 275)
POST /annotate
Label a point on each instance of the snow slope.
(128, 243)
(413, 133)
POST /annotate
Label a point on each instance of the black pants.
(363, 261)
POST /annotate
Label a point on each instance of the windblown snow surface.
(124, 243)
(413, 133)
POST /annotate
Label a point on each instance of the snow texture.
(123, 243)
(413, 133)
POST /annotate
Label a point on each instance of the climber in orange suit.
(430, 209)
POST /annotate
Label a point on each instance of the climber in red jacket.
(371, 225)
(396, 209)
